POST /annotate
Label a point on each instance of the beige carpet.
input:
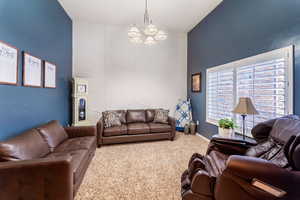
(140, 171)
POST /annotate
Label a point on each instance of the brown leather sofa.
(234, 169)
(46, 163)
(137, 126)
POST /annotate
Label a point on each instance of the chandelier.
(149, 34)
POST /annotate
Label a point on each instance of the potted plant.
(226, 127)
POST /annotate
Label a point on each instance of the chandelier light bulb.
(134, 32)
(149, 41)
(136, 40)
(161, 35)
(150, 30)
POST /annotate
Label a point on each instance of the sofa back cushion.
(136, 116)
(26, 146)
(53, 133)
(122, 116)
(262, 130)
(150, 113)
(284, 128)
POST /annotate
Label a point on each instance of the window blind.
(220, 94)
(265, 83)
(266, 79)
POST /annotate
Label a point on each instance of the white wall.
(123, 75)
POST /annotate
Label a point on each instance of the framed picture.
(49, 75)
(32, 71)
(8, 64)
(196, 82)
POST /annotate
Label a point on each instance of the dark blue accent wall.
(238, 29)
(43, 29)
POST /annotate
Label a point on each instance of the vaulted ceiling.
(172, 15)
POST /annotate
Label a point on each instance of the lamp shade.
(245, 107)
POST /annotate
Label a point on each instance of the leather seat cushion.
(215, 163)
(78, 161)
(115, 131)
(29, 145)
(53, 133)
(159, 128)
(78, 143)
(138, 128)
(280, 159)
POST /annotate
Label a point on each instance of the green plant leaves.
(227, 124)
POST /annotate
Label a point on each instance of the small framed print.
(49, 75)
(8, 64)
(196, 82)
(32, 71)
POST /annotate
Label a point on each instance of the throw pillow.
(111, 118)
(161, 116)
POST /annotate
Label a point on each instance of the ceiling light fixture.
(150, 34)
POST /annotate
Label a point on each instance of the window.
(266, 78)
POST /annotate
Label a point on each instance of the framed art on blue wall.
(196, 82)
(49, 75)
(32, 71)
(8, 64)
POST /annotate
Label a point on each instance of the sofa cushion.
(53, 133)
(122, 116)
(159, 128)
(161, 116)
(135, 116)
(78, 143)
(150, 113)
(284, 128)
(138, 128)
(29, 145)
(260, 148)
(116, 130)
(78, 160)
(111, 119)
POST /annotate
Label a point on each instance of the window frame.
(286, 52)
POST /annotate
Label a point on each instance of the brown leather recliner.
(235, 169)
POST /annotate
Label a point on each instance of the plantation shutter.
(266, 78)
(220, 94)
(266, 84)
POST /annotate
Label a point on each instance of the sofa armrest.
(243, 170)
(44, 178)
(229, 146)
(100, 129)
(172, 122)
(81, 131)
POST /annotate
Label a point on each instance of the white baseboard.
(204, 138)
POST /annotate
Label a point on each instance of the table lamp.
(244, 108)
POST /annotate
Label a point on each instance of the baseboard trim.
(206, 139)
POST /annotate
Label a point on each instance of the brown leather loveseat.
(137, 125)
(234, 169)
(46, 163)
